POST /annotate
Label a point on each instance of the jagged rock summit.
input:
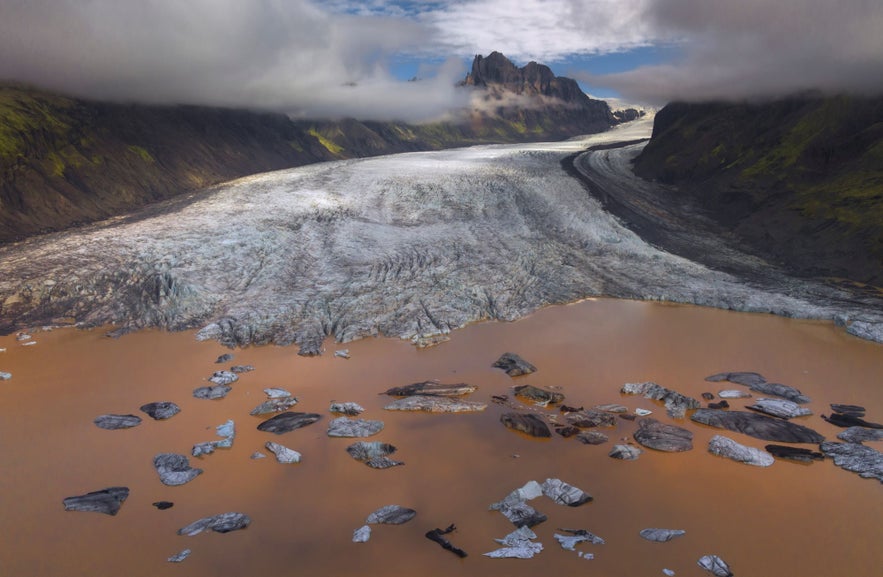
(532, 98)
(532, 79)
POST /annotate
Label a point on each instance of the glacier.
(411, 245)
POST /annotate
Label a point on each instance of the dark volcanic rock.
(163, 505)
(861, 459)
(239, 369)
(741, 378)
(625, 452)
(670, 438)
(537, 395)
(860, 435)
(723, 404)
(223, 523)
(794, 453)
(436, 535)
(107, 501)
(757, 426)
(779, 408)
(526, 423)
(174, 469)
(567, 431)
(661, 535)
(224, 358)
(852, 410)
(592, 438)
(212, 392)
(780, 390)
(708, 396)
(676, 404)
(431, 388)
(391, 515)
(113, 422)
(726, 447)
(591, 418)
(846, 420)
(286, 422)
(161, 410)
(514, 365)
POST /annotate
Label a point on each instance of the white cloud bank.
(318, 59)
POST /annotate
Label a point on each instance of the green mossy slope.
(800, 179)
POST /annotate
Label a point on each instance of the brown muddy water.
(788, 519)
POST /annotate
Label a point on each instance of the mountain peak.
(531, 80)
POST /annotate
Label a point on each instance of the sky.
(334, 58)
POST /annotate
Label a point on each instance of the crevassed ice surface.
(405, 245)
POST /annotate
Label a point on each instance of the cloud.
(287, 55)
(332, 58)
(759, 48)
(543, 30)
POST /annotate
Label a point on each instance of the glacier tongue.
(408, 245)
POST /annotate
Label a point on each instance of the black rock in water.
(163, 505)
(526, 423)
(213, 392)
(794, 453)
(537, 395)
(223, 523)
(224, 358)
(174, 469)
(161, 410)
(780, 390)
(592, 438)
(391, 515)
(289, 421)
(846, 420)
(757, 426)
(852, 410)
(567, 431)
(589, 419)
(107, 501)
(239, 369)
(113, 422)
(741, 378)
(669, 438)
(431, 388)
(436, 535)
(708, 396)
(514, 365)
(723, 404)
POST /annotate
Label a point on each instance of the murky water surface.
(789, 519)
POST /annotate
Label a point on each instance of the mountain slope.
(65, 161)
(799, 179)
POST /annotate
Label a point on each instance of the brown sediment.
(788, 519)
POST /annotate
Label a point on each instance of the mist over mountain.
(66, 161)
